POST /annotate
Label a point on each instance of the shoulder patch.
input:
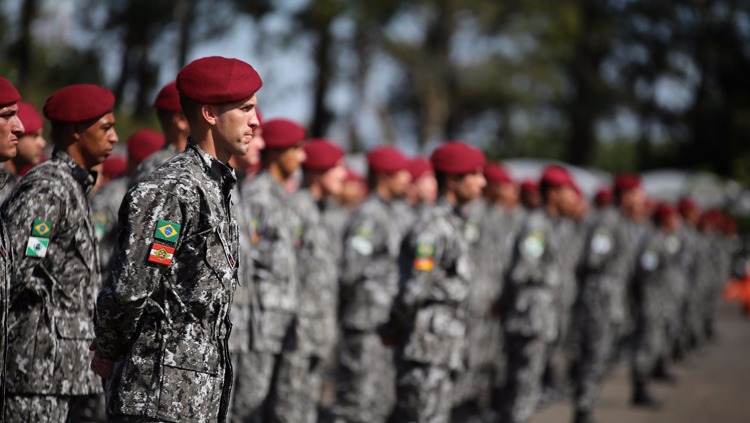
(161, 254)
(601, 242)
(167, 231)
(424, 259)
(37, 247)
(41, 228)
(255, 236)
(649, 261)
(533, 245)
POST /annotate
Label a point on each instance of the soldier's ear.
(209, 113)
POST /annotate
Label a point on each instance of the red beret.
(556, 176)
(418, 167)
(78, 103)
(8, 93)
(495, 172)
(352, 175)
(30, 118)
(603, 197)
(386, 159)
(143, 143)
(115, 166)
(529, 185)
(457, 158)
(218, 80)
(322, 155)
(283, 133)
(663, 212)
(687, 205)
(626, 182)
(168, 98)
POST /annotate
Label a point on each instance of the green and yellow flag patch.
(424, 260)
(41, 228)
(167, 231)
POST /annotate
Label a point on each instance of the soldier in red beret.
(369, 281)
(11, 130)
(30, 146)
(175, 127)
(428, 319)
(54, 244)
(530, 197)
(422, 191)
(694, 266)
(163, 320)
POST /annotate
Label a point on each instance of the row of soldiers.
(448, 292)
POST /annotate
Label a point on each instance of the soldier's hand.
(100, 365)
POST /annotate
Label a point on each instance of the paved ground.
(714, 385)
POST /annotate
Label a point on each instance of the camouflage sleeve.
(600, 246)
(34, 217)
(152, 226)
(528, 257)
(365, 246)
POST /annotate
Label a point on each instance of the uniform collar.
(222, 173)
(85, 178)
(5, 175)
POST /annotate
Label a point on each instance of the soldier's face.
(332, 180)
(290, 159)
(397, 183)
(11, 130)
(235, 125)
(30, 147)
(97, 141)
(426, 187)
(469, 187)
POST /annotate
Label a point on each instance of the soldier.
(691, 269)
(530, 197)
(275, 280)
(369, 282)
(605, 270)
(56, 269)
(163, 316)
(428, 322)
(657, 269)
(11, 131)
(316, 326)
(105, 203)
(30, 147)
(530, 318)
(176, 129)
(421, 192)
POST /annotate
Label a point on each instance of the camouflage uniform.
(105, 205)
(657, 266)
(163, 316)
(406, 215)
(273, 300)
(53, 290)
(605, 270)
(430, 314)
(530, 318)
(690, 269)
(152, 162)
(6, 270)
(11, 179)
(485, 235)
(369, 283)
(335, 217)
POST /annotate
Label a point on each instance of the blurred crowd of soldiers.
(432, 289)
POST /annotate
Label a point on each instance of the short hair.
(190, 108)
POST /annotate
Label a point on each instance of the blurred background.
(654, 86)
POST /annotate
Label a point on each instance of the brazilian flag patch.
(41, 228)
(424, 260)
(167, 231)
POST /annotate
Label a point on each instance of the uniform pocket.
(74, 328)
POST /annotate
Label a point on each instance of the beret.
(603, 197)
(352, 175)
(283, 133)
(386, 159)
(556, 176)
(78, 103)
(418, 167)
(218, 80)
(457, 158)
(495, 172)
(30, 118)
(321, 154)
(687, 205)
(663, 212)
(626, 182)
(115, 166)
(168, 98)
(143, 143)
(529, 185)
(8, 93)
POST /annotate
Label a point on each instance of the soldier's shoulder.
(177, 177)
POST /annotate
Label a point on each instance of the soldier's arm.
(362, 244)
(529, 249)
(33, 219)
(141, 259)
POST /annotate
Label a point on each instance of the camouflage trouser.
(36, 408)
(366, 379)
(424, 394)
(526, 361)
(87, 409)
(254, 376)
(298, 388)
(485, 372)
(596, 341)
(650, 344)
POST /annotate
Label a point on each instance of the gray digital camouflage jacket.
(54, 283)
(163, 315)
